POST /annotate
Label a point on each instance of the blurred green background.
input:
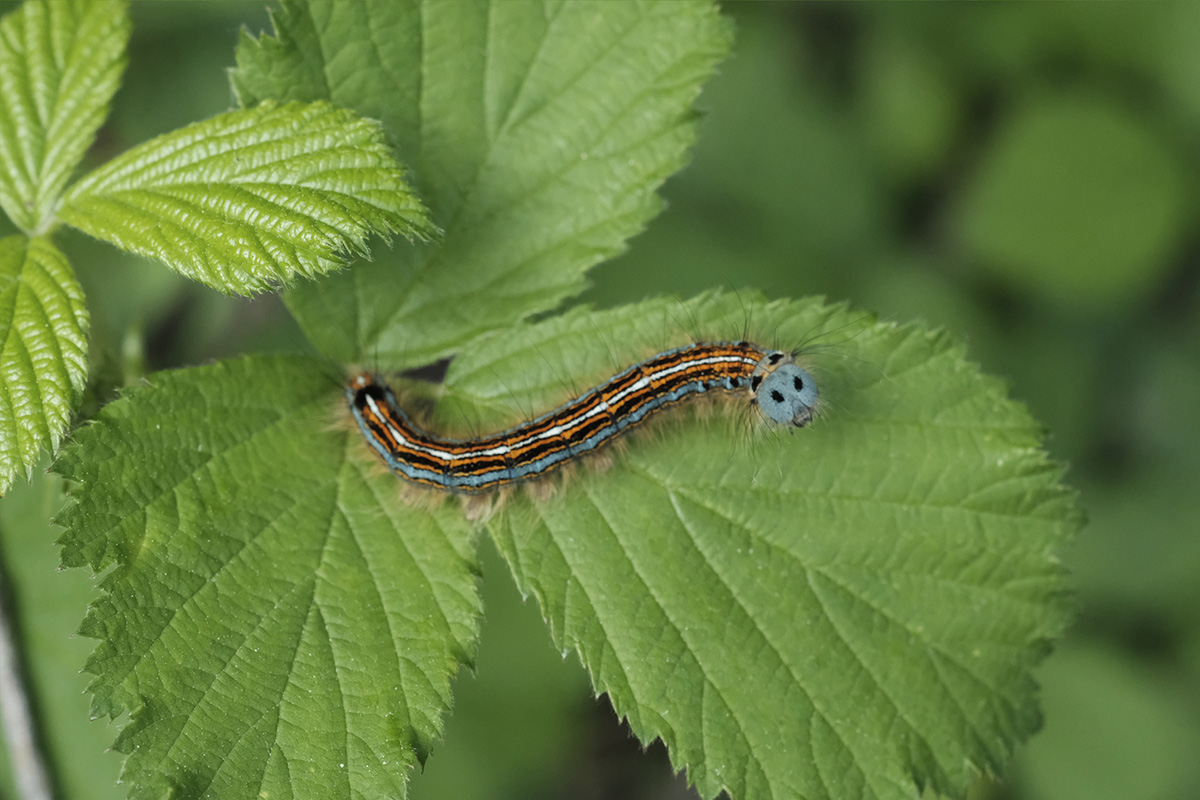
(1024, 175)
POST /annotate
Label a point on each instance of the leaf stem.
(28, 767)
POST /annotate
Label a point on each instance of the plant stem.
(28, 767)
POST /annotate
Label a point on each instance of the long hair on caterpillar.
(777, 383)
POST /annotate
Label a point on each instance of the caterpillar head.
(784, 390)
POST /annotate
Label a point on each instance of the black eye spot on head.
(798, 384)
(776, 395)
(754, 382)
(775, 358)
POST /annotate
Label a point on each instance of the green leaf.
(60, 64)
(849, 611)
(249, 199)
(277, 623)
(520, 717)
(43, 351)
(537, 132)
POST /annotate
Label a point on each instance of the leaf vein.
(679, 630)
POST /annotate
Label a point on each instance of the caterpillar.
(770, 379)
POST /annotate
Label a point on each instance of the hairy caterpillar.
(770, 379)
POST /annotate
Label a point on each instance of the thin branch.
(28, 766)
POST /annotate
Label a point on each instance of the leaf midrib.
(450, 229)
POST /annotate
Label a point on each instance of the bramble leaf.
(250, 199)
(852, 610)
(60, 64)
(537, 133)
(277, 623)
(849, 611)
(43, 351)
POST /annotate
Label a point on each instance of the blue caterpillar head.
(785, 392)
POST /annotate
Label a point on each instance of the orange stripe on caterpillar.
(770, 379)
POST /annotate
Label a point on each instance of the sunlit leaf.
(250, 199)
(60, 64)
(43, 351)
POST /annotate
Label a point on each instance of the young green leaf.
(250, 199)
(849, 611)
(277, 623)
(538, 133)
(43, 351)
(60, 64)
